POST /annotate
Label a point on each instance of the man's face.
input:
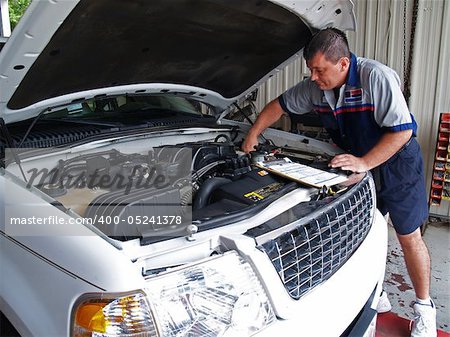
(326, 74)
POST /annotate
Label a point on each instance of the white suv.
(128, 207)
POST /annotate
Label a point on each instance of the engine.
(192, 182)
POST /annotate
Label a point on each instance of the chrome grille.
(315, 248)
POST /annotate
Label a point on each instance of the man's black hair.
(331, 42)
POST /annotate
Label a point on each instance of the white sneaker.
(383, 303)
(424, 323)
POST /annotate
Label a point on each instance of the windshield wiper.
(85, 121)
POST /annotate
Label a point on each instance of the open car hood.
(216, 51)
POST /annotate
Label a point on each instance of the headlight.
(219, 297)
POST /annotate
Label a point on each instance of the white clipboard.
(302, 173)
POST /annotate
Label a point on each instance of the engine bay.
(162, 190)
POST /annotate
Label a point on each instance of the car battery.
(255, 186)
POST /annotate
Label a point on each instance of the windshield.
(105, 115)
(110, 108)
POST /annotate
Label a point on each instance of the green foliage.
(16, 10)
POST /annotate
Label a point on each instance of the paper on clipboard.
(302, 173)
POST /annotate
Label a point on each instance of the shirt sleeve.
(297, 100)
(391, 111)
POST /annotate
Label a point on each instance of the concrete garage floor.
(398, 284)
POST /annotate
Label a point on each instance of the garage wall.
(383, 28)
(430, 82)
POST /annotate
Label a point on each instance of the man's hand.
(269, 115)
(249, 144)
(348, 162)
(387, 146)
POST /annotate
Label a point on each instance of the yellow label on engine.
(254, 196)
(263, 192)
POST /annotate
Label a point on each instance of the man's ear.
(345, 63)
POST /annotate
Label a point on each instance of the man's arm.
(387, 146)
(268, 116)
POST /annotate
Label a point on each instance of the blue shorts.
(401, 189)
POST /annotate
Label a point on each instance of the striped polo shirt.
(370, 103)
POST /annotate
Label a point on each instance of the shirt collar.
(353, 76)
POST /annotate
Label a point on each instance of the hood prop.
(266, 141)
(33, 123)
(10, 143)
